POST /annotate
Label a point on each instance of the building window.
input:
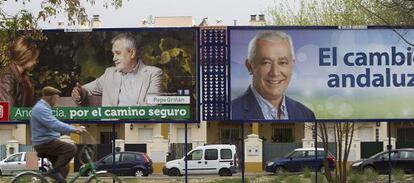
(229, 136)
(5, 136)
(365, 134)
(144, 135)
(181, 135)
(283, 134)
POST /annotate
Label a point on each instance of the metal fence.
(3, 151)
(177, 150)
(136, 147)
(370, 148)
(26, 148)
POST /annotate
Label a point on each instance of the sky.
(133, 11)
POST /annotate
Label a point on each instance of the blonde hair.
(23, 49)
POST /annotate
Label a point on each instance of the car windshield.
(108, 159)
(376, 155)
(304, 153)
(385, 155)
(289, 154)
(14, 158)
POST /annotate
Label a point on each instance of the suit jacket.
(148, 80)
(246, 107)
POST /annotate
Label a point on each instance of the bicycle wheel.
(31, 177)
(104, 177)
(82, 156)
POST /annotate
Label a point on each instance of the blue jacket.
(246, 107)
(44, 126)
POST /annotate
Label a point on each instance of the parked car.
(299, 159)
(209, 159)
(402, 159)
(127, 163)
(16, 163)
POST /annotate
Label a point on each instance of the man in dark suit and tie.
(270, 61)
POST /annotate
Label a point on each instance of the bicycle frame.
(89, 167)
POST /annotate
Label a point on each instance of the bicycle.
(89, 168)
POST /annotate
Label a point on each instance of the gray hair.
(267, 36)
(130, 41)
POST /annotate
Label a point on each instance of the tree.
(343, 136)
(342, 12)
(400, 12)
(314, 12)
(25, 21)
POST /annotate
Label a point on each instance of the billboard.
(98, 80)
(321, 74)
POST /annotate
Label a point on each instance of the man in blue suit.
(270, 61)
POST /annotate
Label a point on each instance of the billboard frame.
(260, 28)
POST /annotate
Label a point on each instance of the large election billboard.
(131, 74)
(308, 74)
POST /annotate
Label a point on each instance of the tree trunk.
(343, 136)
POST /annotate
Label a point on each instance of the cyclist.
(46, 130)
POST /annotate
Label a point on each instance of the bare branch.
(386, 22)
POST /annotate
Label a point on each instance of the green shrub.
(397, 175)
(321, 178)
(355, 178)
(230, 181)
(307, 173)
(276, 180)
(282, 176)
(293, 179)
(371, 176)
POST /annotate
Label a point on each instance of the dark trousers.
(59, 153)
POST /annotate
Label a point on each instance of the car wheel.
(369, 169)
(280, 170)
(225, 172)
(174, 172)
(139, 173)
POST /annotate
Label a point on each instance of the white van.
(209, 159)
